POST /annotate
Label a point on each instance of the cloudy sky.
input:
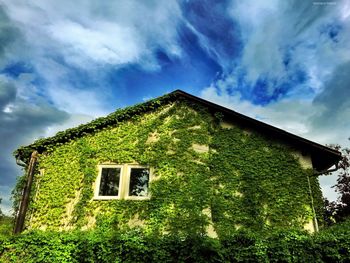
(63, 63)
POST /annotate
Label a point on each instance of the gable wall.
(207, 177)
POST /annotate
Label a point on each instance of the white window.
(137, 183)
(127, 181)
(108, 182)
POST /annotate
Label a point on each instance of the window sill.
(106, 198)
(134, 198)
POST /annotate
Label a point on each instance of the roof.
(322, 157)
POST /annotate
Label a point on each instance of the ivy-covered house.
(175, 164)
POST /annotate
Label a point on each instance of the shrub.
(330, 245)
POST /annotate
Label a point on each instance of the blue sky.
(63, 63)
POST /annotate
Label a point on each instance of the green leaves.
(279, 245)
(237, 180)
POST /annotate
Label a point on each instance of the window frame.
(127, 183)
(124, 182)
(98, 182)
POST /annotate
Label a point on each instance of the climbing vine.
(207, 176)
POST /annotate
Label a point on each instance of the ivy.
(237, 180)
(86, 164)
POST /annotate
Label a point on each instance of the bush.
(6, 226)
(333, 244)
(291, 246)
(330, 245)
(245, 246)
(39, 246)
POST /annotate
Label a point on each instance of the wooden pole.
(26, 194)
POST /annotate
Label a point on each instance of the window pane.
(109, 185)
(139, 178)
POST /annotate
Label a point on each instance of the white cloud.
(107, 33)
(290, 115)
(92, 37)
(345, 10)
(262, 49)
(105, 42)
(82, 102)
(271, 30)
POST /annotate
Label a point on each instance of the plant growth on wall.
(206, 176)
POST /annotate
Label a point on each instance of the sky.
(63, 63)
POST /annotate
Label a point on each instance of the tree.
(340, 210)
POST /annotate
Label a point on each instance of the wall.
(209, 176)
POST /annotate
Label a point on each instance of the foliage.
(256, 189)
(334, 243)
(331, 245)
(340, 210)
(98, 124)
(192, 190)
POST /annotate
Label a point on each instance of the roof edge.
(126, 113)
(265, 125)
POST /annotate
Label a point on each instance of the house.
(175, 164)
